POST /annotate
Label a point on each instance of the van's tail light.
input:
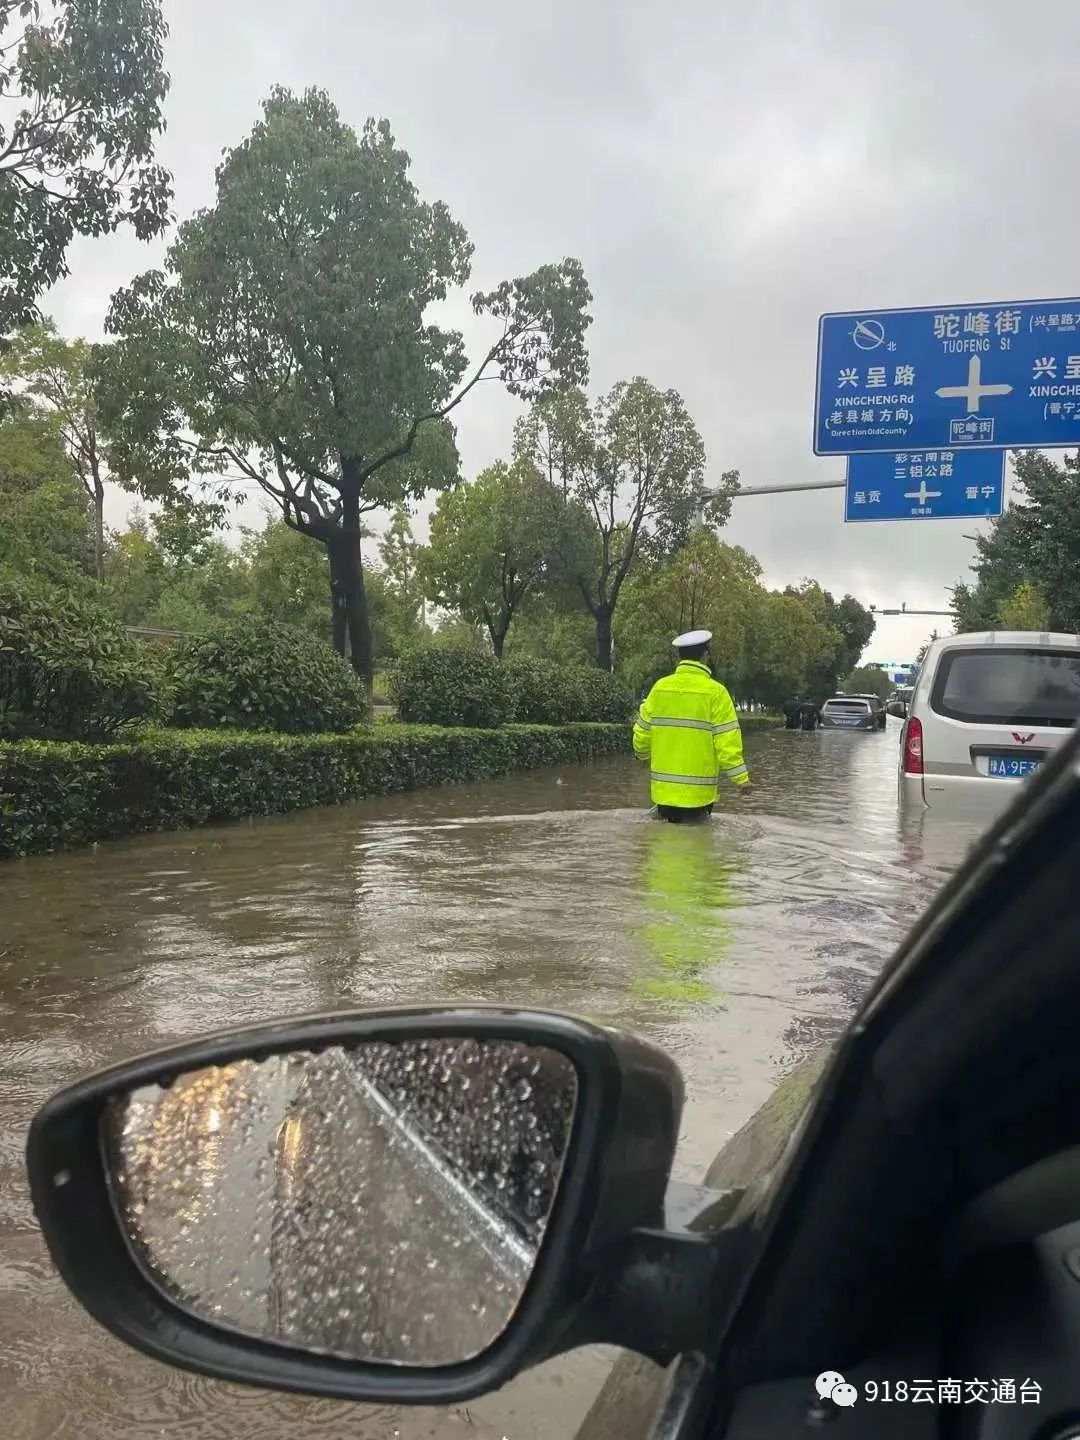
(913, 758)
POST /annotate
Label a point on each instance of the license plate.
(842, 720)
(1011, 767)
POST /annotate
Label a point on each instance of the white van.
(986, 711)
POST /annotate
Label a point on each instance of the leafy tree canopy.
(1027, 567)
(77, 154)
(289, 341)
(867, 680)
(492, 544)
(632, 467)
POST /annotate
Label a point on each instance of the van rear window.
(1008, 687)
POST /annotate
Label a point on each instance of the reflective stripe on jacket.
(687, 730)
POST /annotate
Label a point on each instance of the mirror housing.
(613, 1183)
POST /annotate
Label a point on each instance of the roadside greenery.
(56, 795)
(288, 339)
(85, 86)
(460, 685)
(286, 346)
(631, 470)
(452, 685)
(1027, 567)
(867, 680)
(250, 675)
(67, 669)
(768, 645)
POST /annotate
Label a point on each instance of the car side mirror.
(411, 1205)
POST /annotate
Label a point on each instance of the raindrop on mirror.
(381, 1202)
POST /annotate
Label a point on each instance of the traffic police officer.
(687, 730)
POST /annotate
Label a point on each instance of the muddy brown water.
(740, 946)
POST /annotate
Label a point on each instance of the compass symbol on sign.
(868, 334)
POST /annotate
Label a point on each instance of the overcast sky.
(725, 173)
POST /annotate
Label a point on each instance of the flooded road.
(740, 946)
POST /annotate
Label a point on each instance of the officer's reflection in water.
(686, 893)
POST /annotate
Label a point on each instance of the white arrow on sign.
(974, 390)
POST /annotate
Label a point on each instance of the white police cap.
(692, 637)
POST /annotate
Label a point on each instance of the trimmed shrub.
(547, 694)
(452, 686)
(604, 698)
(54, 795)
(68, 669)
(255, 675)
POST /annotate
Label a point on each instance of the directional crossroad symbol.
(974, 390)
(922, 494)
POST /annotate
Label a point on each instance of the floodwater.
(741, 946)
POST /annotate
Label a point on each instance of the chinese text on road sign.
(1002, 375)
(925, 485)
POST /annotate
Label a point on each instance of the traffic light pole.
(821, 485)
(783, 489)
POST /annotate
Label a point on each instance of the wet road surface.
(741, 946)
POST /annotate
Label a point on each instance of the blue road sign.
(1006, 374)
(925, 485)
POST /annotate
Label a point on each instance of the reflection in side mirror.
(378, 1201)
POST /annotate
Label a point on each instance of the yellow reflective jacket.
(687, 730)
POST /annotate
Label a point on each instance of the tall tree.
(704, 585)
(632, 467)
(850, 626)
(399, 554)
(46, 530)
(492, 543)
(58, 373)
(1025, 609)
(788, 646)
(288, 578)
(867, 680)
(1034, 544)
(77, 156)
(289, 339)
(170, 570)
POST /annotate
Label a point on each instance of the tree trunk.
(603, 638)
(99, 528)
(348, 600)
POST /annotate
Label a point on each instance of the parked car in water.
(877, 704)
(899, 701)
(853, 712)
(286, 1205)
(987, 711)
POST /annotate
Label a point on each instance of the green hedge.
(452, 686)
(68, 669)
(549, 694)
(251, 674)
(55, 794)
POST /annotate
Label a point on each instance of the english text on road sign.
(1003, 374)
(925, 485)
